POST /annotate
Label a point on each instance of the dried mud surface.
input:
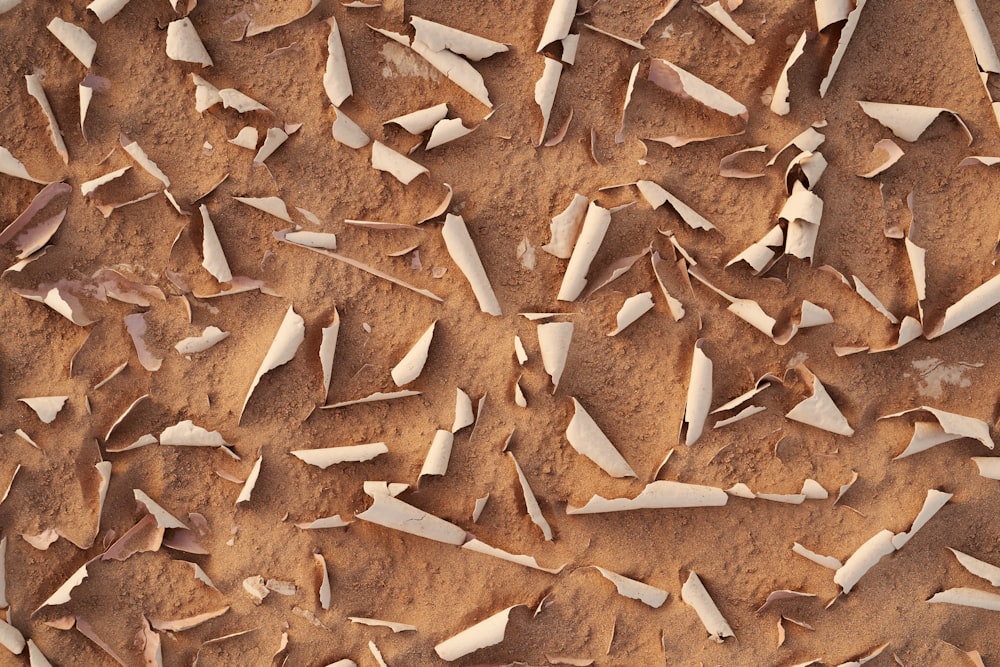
(633, 385)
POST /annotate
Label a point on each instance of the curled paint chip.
(291, 332)
(661, 494)
(819, 410)
(439, 454)
(586, 437)
(488, 632)
(11, 166)
(439, 37)
(184, 44)
(188, 434)
(326, 457)
(949, 427)
(336, 77)
(693, 593)
(636, 590)
(699, 395)
(349, 133)
(35, 89)
(418, 122)
(412, 364)
(208, 338)
(595, 226)
(400, 166)
(463, 252)
(74, 38)
(909, 121)
(105, 10)
(46, 407)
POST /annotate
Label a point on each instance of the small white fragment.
(439, 37)
(779, 99)
(661, 494)
(205, 95)
(326, 522)
(3, 571)
(846, 33)
(519, 398)
(390, 512)
(554, 340)
(908, 121)
(136, 326)
(35, 656)
(718, 12)
(565, 228)
(11, 166)
(281, 587)
(234, 99)
(11, 638)
(373, 649)
(519, 351)
(934, 501)
(949, 427)
(378, 623)
(377, 396)
(545, 92)
(255, 588)
(480, 505)
(558, 23)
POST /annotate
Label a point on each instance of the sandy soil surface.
(634, 385)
